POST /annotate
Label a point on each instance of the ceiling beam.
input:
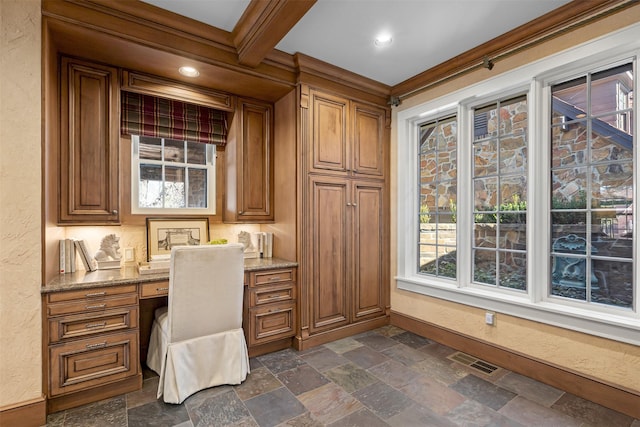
(263, 24)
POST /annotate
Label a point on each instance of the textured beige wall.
(20, 204)
(610, 361)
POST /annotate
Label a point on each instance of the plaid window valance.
(165, 118)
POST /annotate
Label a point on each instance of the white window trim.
(534, 305)
(135, 178)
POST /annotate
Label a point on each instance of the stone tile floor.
(386, 377)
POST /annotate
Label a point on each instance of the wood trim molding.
(263, 24)
(158, 86)
(572, 15)
(30, 413)
(72, 400)
(315, 72)
(156, 17)
(584, 386)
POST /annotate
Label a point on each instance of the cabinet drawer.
(92, 362)
(86, 325)
(154, 289)
(271, 322)
(271, 294)
(270, 277)
(92, 304)
(88, 294)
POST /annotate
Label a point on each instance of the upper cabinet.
(347, 137)
(249, 164)
(89, 132)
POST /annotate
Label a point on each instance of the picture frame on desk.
(165, 233)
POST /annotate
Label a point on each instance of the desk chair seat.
(197, 341)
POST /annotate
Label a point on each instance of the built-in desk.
(97, 325)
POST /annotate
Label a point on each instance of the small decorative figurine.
(250, 251)
(108, 256)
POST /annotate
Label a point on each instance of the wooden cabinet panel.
(329, 147)
(368, 140)
(249, 160)
(272, 294)
(271, 277)
(77, 365)
(91, 305)
(89, 294)
(154, 289)
(272, 322)
(369, 261)
(89, 133)
(328, 249)
(84, 325)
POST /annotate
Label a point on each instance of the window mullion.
(538, 224)
(465, 196)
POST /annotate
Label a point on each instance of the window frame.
(210, 166)
(534, 79)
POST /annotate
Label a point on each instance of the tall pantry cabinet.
(345, 221)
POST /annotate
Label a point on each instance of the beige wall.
(612, 362)
(20, 202)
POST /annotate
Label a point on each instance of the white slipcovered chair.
(197, 341)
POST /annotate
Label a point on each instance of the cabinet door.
(272, 322)
(92, 362)
(369, 255)
(89, 133)
(329, 149)
(327, 250)
(250, 165)
(368, 140)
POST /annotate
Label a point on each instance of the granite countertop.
(129, 275)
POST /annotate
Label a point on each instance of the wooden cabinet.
(346, 137)
(345, 219)
(89, 132)
(92, 344)
(347, 252)
(249, 164)
(270, 310)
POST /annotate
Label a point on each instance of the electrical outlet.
(490, 318)
(129, 255)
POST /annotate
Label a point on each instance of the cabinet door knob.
(355, 204)
(348, 204)
(114, 212)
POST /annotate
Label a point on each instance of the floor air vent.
(473, 362)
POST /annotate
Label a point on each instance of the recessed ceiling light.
(189, 71)
(383, 40)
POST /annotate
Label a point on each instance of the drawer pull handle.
(95, 325)
(96, 294)
(274, 278)
(162, 289)
(93, 307)
(97, 345)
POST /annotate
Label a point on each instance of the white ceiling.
(425, 33)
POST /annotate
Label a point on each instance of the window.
(170, 176)
(173, 154)
(592, 171)
(499, 185)
(437, 221)
(525, 192)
